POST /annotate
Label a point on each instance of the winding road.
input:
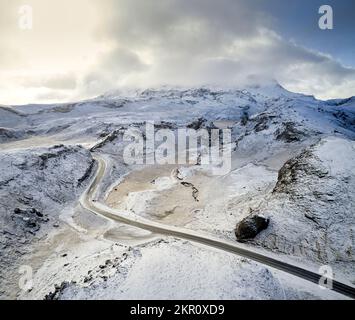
(88, 202)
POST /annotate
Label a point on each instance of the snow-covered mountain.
(292, 162)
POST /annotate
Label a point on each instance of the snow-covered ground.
(36, 186)
(312, 205)
(292, 162)
(164, 268)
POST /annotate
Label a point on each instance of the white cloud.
(174, 42)
(191, 42)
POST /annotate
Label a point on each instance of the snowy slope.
(311, 216)
(312, 205)
(35, 186)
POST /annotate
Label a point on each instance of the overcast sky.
(82, 48)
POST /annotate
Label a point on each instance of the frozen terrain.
(171, 269)
(37, 185)
(292, 163)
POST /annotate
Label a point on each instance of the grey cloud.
(184, 25)
(207, 41)
(122, 60)
(112, 67)
(185, 42)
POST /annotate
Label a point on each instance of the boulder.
(250, 226)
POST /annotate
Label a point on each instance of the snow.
(173, 269)
(42, 182)
(269, 127)
(337, 155)
(312, 214)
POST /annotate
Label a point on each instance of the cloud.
(92, 47)
(112, 67)
(52, 96)
(22, 88)
(192, 42)
(57, 81)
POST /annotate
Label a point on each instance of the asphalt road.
(89, 202)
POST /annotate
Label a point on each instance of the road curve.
(98, 208)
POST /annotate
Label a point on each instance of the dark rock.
(289, 133)
(250, 226)
(35, 211)
(165, 125)
(28, 220)
(7, 134)
(87, 173)
(58, 290)
(103, 134)
(293, 171)
(262, 121)
(244, 118)
(109, 138)
(197, 124)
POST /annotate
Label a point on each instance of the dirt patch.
(157, 193)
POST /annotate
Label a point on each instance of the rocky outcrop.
(312, 204)
(35, 186)
(7, 134)
(197, 124)
(165, 125)
(263, 122)
(28, 220)
(108, 138)
(58, 290)
(289, 133)
(294, 171)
